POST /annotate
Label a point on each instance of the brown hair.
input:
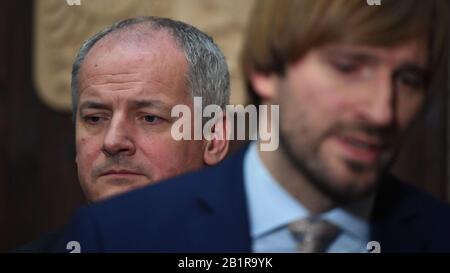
(280, 32)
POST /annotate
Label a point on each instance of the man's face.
(344, 110)
(123, 124)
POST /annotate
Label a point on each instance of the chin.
(353, 187)
(342, 183)
(354, 179)
(103, 194)
(108, 194)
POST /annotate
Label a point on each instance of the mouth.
(120, 173)
(362, 149)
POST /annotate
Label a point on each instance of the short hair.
(207, 76)
(280, 32)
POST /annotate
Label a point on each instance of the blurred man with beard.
(350, 79)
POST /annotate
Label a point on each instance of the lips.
(119, 172)
(363, 149)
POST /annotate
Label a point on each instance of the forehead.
(117, 64)
(411, 51)
(154, 49)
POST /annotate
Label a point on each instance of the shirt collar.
(271, 207)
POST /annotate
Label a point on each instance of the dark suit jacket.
(206, 211)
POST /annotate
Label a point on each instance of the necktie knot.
(313, 235)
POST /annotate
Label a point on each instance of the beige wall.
(60, 29)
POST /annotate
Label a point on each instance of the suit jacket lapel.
(221, 221)
(393, 219)
(221, 224)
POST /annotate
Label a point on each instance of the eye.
(411, 80)
(93, 119)
(152, 119)
(345, 66)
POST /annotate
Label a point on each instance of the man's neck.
(291, 179)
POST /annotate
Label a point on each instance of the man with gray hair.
(125, 81)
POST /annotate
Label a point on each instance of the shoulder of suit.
(410, 197)
(173, 194)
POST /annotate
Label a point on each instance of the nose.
(118, 138)
(380, 110)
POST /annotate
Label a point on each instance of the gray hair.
(207, 75)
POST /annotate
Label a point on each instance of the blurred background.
(38, 41)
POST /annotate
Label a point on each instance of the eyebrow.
(138, 104)
(93, 105)
(133, 104)
(413, 67)
(360, 55)
(354, 54)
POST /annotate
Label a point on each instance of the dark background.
(38, 180)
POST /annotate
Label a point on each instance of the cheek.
(408, 108)
(310, 85)
(87, 151)
(317, 103)
(335, 103)
(167, 157)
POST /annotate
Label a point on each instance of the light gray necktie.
(313, 235)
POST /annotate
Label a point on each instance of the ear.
(265, 85)
(216, 147)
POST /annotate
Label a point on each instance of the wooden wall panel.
(38, 186)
